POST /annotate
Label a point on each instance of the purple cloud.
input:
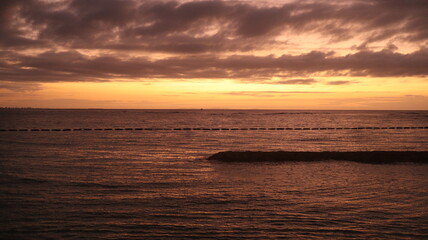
(49, 41)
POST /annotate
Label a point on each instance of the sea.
(144, 174)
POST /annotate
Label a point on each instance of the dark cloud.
(171, 17)
(156, 25)
(73, 66)
(262, 21)
(10, 32)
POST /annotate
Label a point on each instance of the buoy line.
(204, 129)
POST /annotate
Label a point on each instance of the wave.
(10, 179)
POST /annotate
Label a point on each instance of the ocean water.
(157, 184)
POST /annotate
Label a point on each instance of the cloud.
(415, 96)
(307, 81)
(202, 26)
(339, 82)
(109, 40)
(20, 86)
(73, 66)
(268, 93)
(59, 103)
(379, 102)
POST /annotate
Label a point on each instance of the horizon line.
(203, 109)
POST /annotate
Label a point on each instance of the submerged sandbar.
(375, 157)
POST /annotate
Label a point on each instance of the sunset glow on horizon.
(312, 54)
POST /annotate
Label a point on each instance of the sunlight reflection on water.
(158, 184)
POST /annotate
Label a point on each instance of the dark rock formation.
(375, 157)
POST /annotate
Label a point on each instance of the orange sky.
(362, 54)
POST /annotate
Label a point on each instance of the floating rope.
(201, 129)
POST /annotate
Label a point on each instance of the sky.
(252, 54)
